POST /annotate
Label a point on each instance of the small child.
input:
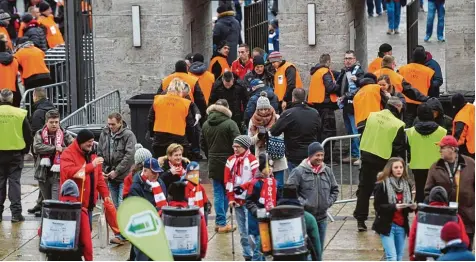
(194, 191)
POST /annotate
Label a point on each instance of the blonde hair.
(177, 86)
(387, 170)
(388, 61)
(386, 78)
(173, 148)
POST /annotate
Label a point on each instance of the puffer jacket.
(228, 29)
(123, 147)
(317, 192)
(251, 106)
(36, 33)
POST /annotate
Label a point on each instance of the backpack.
(276, 148)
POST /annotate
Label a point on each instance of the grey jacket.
(40, 148)
(123, 148)
(317, 192)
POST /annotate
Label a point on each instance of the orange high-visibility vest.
(170, 114)
(466, 115)
(317, 89)
(395, 79)
(375, 65)
(4, 31)
(189, 79)
(281, 83)
(366, 101)
(8, 75)
(31, 60)
(206, 81)
(53, 34)
(223, 64)
(21, 29)
(419, 76)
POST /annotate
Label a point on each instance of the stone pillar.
(459, 29)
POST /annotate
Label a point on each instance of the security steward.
(31, 61)
(169, 116)
(219, 63)
(370, 98)
(286, 78)
(463, 124)
(383, 50)
(420, 77)
(382, 138)
(9, 71)
(205, 79)
(53, 33)
(15, 142)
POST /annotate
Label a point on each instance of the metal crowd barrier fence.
(55, 60)
(57, 94)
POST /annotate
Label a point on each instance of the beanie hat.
(263, 102)
(176, 191)
(262, 161)
(243, 140)
(141, 154)
(198, 58)
(384, 48)
(424, 113)
(258, 60)
(275, 57)
(193, 173)
(26, 18)
(314, 148)
(222, 44)
(256, 83)
(457, 100)
(224, 8)
(419, 55)
(4, 15)
(69, 188)
(181, 67)
(84, 135)
(438, 194)
(43, 6)
(450, 231)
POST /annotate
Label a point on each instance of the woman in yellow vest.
(219, 63)
(53, 34)
(383, 50)
(424, 151)
(463, 124)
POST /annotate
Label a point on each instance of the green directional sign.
(140, 224)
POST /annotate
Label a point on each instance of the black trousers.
(471, 241)
(410, 115)
(329, 129)
(367, 178)
(420, 176)
(38, 82)
(11, 165)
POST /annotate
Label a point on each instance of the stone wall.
(459, 31)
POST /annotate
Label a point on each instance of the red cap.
(448, 141)
(450, 231)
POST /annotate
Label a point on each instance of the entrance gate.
(256, 25)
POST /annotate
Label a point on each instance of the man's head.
(273, 25)
(52, 119)
(349, 58)
(384, 49)
(178, 87)
(388, 61)
(38, 94)
(34, 11)
(275, 58)
(45, 8)
(315, 152)
(85, 140)
(395, 102)
(174, 153)
(244, 52)
(419, 55)
(6, 96)
(299, 95)
(258, 63)
(176, 192)
(198, 58)
(424, 113)
(222, 102)
(114, 122)
(228, 79)
(152, 169)
(438, 194)
(223, 48)
(448, 148)
(325, 60)
(241, 144)
(27, 18)
(257, 51)
(4, 16)
(458, 102)
(181, 66)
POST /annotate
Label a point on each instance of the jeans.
(291, 166)
(349, 122)
(393, 14)
(241, 215)
(279, 176)
(116, 193)
(220, 202)
(433, 7)
(394, 243)
(370, 7)
(322, 225)
(257, 254)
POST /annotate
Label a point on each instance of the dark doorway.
(412, 28)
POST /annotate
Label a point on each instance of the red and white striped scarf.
(45, 159)
(241, 171)
(195, 196)
(181, 170)
(159, 196)
(315, 169)
(268, 193)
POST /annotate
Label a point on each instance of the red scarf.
(315, 169)
(195, 196)
(45, 159)
(181, 170)
(268, 193)
(159, 196)
(238, 166)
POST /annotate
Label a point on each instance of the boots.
(361, 226)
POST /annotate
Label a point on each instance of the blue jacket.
(251, 106)
(273, 41)
(437, 79)
(456, 252)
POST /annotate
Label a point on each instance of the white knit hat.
(141, 154)
(263, 102)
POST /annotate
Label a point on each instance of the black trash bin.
(95, 128)
(445, 100)
(140, 106)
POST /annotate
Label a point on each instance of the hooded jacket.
(456, 252)
(40, 108)
(36, 33)
(317, 192)
(218, 133)
(442, 120)
(267, 77)
(8, 71)
(251, 106)
(330, 86)
(437, 79)
(200, 70)
(228, 29)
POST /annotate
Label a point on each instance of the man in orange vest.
(286, 78)
(169, 117)
(53, 34)
(383, 50)
(9, 71)
(33, 69)
(463, 124)
(244, 64)
(4, 22)
(198, 68)
(219, 63)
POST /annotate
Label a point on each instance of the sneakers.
(441, 40)
(349, 159)
(396, 32)
(225, 229)
(361, 227)
(427, 38)
(34, 210)
(389, 32)
(18, 218)
(38, 213)
(357, 162)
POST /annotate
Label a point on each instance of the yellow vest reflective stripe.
(381, 129)
(11, 128)
(423, 149)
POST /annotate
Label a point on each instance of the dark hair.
(181, 66)
(228, 76)
(324, 59)
(348, 52)
(299, 95)
(245, 46)
(222, 102)
(115, 115)
(189, 57)
(386, 78)
(198, 58)
(259, 50)
(52, 114)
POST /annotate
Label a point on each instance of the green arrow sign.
(140, 224)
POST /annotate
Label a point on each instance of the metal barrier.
(55, 60)
(57, 93)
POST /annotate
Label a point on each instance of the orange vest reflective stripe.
(20, 30)
(53, 34)
(466, 115)
(317, 89)
(223, 63)
(375, 65)
(206, 81)
(170, 114)
(31, 60)
(366, 101)
(4, 31)
(281, 83)
(187, 78)
(419, 76)
(8, 75)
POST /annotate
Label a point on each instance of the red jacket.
(127, 185)
(240, 70)
(413, 229)
(203, 228)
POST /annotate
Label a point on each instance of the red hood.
(33, 23)
(178, 204)
(438, 204)
(428, 56)
(68, 199)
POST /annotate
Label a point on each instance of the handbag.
(276, 148)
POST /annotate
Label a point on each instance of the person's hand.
(414, 206)
(112, 175)
(401, 206)
(59, 148)
(197, 119)
(387, 94)
(283, 105)
(105, 175)
(175, 170)
(98, 161)
(232, 203)
(353, 78)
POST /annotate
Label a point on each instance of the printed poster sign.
(287, 233)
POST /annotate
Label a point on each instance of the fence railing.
(55, 60)
(57, 93)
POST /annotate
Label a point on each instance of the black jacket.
(228, 29)
(9, 7)
(27, 136)
(437, 79)
(216, 68)
(140, 188)
(442, 120)
(266, 77)
(290, 74)
(343, 83)
(39, 111)
(330, 86)
(36, 33)
(301, 126)
(384, 212)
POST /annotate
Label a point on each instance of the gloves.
(197, 119)
(238, 190)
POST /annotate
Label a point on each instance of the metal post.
(412, 27)
(70, 48)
